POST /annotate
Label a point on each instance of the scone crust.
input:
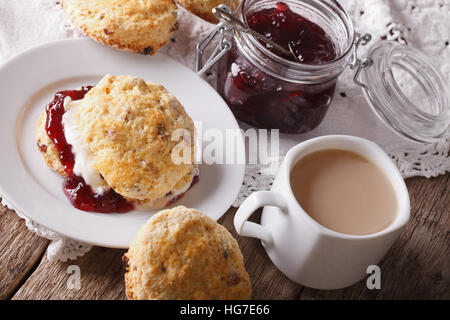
(142, 26)
(203, 8)
(181, 253)
(128, 125)
(46, 146)
(183, 183)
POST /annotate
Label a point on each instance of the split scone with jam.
(181, 253)
(122, 144)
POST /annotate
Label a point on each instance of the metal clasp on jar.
(355, 62)
(222, 47)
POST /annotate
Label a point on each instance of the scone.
(126, 135)
(181, 253)
(203, 8)
(46, 146)
(142, 26)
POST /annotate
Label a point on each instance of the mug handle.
(257, 200)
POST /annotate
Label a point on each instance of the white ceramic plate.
(28, 83)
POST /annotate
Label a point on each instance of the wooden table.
(417, 266)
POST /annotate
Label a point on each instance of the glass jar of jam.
(267, 89)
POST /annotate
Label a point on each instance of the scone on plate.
(203, 8)
(142, 26)
(181, 253)
(118, 140)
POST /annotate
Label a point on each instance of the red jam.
(309, 42)
(77, 191)
(269, 102)
(82, 197)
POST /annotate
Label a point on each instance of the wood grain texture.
(101, 278)
(20, 250)
(417, 266)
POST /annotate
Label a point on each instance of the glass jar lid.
(405, 91)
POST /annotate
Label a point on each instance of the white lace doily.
(423, 24)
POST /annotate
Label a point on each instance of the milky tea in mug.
(343, 191)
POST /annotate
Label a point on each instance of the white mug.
(305, 251)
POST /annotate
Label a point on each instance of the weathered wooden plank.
(20, 251)
(418, 265)
(101, 278)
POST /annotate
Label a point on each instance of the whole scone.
(181, 253)
(203, 8)
(137, 25)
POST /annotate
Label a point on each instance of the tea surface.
(344, 191)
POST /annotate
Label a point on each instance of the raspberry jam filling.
(77, 191)
(266, 101)
(280, 24)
